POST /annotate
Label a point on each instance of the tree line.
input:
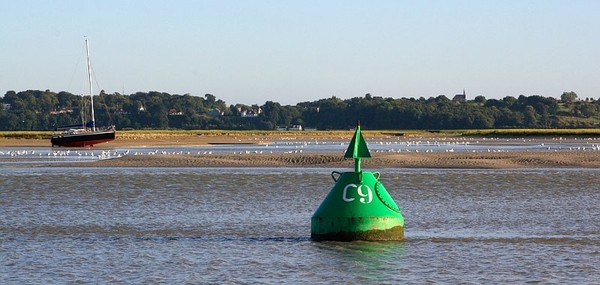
(45, 110)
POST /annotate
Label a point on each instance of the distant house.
(295, 128)
(292, 128)
(5, 107)
(174, 112)
(248, 114)
(460, 97)
(61, 111)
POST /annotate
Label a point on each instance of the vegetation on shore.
(528, 132)
(44, 110)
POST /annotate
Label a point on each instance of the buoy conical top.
(358, 147)
(358, 207)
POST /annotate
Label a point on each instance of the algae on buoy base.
(358, 207)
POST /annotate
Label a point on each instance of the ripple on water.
(253, 225)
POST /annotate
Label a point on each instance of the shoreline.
(452, 160)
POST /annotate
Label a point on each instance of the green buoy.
(358, 207)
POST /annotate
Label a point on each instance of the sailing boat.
(85, 134)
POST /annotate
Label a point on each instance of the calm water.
(242, 225)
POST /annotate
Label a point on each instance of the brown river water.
(252, 225)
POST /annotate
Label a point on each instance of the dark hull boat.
(83, 139)
(84, 135)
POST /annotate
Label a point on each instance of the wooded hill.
(44, 110)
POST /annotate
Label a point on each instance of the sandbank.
(461, 160)
(456, 160)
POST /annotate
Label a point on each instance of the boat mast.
(89, 68)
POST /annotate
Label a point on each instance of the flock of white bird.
(82, 154)
(390, 146)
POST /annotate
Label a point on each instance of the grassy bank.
(213, 133)
(528, 132)
(25, 134)
(234, 133)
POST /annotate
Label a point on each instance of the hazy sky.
(251, 52)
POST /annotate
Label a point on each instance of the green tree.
(273, 114)
(530, 117)
(568, 97)
(479, 99)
